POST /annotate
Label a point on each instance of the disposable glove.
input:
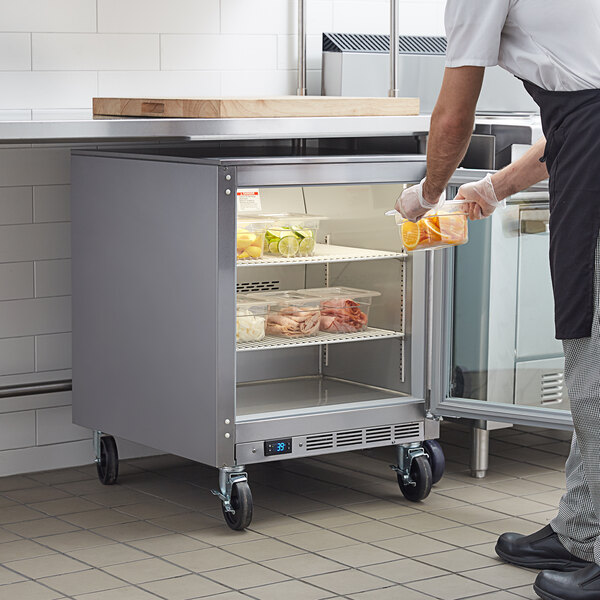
(412, 205)
(481, 198)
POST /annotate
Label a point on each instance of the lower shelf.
(271, 342)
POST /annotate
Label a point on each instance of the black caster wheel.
(420, 472)
(437, 460)
(108, 465)
(241, 502)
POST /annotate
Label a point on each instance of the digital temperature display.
(275, 447)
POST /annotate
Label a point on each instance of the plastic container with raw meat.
(251, 237)
(292, 314)
(292, 234)
(448, 226)
(250, 318)
(343, 309)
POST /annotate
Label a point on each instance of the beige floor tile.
(450, 587)
(184, 588)
(65, 542)
(126, 532)
(422, 522)
(413, 545)
(500, 575)
(551, 498)
(152, 510)
(458, 560)
(40, 527)
(496, 596)
(122, 593)
(62, 476)
(339, 496)
(206, 560)
(333, 517)
(475, 494)
(319, 540)
(227, 596)
(7, 536)
(380, 509)
(22, 549)
(18, 513)
(112, 554)
(64, 506)
(86, 486)
(359, 555)
(525, 592)
(7, 576)
(46, 566)
(82, 582)
(261, 550)
(290, 590)
(304, 565)
(404, 571)
(351, 582)
(463, 536)
(512, 524)
(470, 514)
(488, 549)
(553, 478)
(143, 571)
(187, 522)
(246, 576)
(102, 517)
(516, 507)
(112, 497)
(27, 590)
(36, 494)
(395, 592)
(223, 536)
(284, 526)
(17, 482)
(519, 487)
(373, 531)
(169, 544)
(436, 501)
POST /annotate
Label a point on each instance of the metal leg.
(228, 477)
(480, 452)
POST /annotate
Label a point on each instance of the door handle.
(535, 221)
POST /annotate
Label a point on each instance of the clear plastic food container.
(250, 318)
(292, 234)
(292, 314)
(446, 227)
(251, 237)
(343, 309)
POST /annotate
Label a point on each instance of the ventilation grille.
(371, 436)
(257, 286)
(380, 43)
(552, 387)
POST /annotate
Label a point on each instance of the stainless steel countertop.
(85, 130)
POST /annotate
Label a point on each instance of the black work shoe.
(583, 584)
(540, 550)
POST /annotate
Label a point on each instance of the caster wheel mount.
(234, 493)
(414, 473)
(107, 462)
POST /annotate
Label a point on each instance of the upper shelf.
(324, 253)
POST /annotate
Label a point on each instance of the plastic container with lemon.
(443, 228)
(251, 237)
(292, 234)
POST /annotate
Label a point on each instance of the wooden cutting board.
(286, 106)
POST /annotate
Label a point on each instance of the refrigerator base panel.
(331, 442)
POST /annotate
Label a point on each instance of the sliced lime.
(274, 247)
(307, 246)
(274, 233)
(288, 246)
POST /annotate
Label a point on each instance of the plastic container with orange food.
(443, 228)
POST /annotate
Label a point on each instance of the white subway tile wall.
(55, 55)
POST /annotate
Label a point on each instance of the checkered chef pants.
(578, 520)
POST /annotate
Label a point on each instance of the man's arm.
(451, 127)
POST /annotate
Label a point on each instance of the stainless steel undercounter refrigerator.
(196, 327)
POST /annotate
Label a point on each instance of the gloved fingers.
(475, 213)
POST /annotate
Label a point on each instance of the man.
(554, 47)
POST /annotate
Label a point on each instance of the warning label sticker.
(248, 200)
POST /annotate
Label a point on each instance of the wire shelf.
(324, 253)
(271, 342)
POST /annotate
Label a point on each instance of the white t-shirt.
(552, 43)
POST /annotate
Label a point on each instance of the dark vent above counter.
(380, 43)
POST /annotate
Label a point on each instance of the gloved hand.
(412, 205)
(481, 197)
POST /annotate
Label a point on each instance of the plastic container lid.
(450, 207)
(250, 301)
(342, 292)
(253, 220)
(290, 298)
